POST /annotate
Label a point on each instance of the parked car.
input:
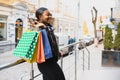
(82, 44)
(88, 40)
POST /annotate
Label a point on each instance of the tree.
(85, 28)
(117, 38)
(108, 38)
(94, 19)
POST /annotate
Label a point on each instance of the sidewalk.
(96, 72)
(18, 72)
(7, 58)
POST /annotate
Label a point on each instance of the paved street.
(22, 71)
(7, 57)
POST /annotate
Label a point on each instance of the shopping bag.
(34, 57)
(26, 45)
(46, 45)
(40, 50)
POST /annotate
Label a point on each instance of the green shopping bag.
(26, 45)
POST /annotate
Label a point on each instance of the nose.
(50, 16)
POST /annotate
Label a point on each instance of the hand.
(39, 25)
(61, 53)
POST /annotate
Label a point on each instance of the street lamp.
(78, 20)
(77, 38)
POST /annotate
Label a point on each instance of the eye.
(50, 14)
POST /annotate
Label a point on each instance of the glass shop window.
(3, 30)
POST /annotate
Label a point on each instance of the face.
(46, 17)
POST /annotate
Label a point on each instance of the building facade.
(64, 14)
(116, 11)
(14, 16)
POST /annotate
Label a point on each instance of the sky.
(102, 6)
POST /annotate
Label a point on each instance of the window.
(33, 1)
(3, 29)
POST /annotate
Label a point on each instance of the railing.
(75, 51)
(83, 55)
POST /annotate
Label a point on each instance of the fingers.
(40, 25)
(61, 53)
(36, 22)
